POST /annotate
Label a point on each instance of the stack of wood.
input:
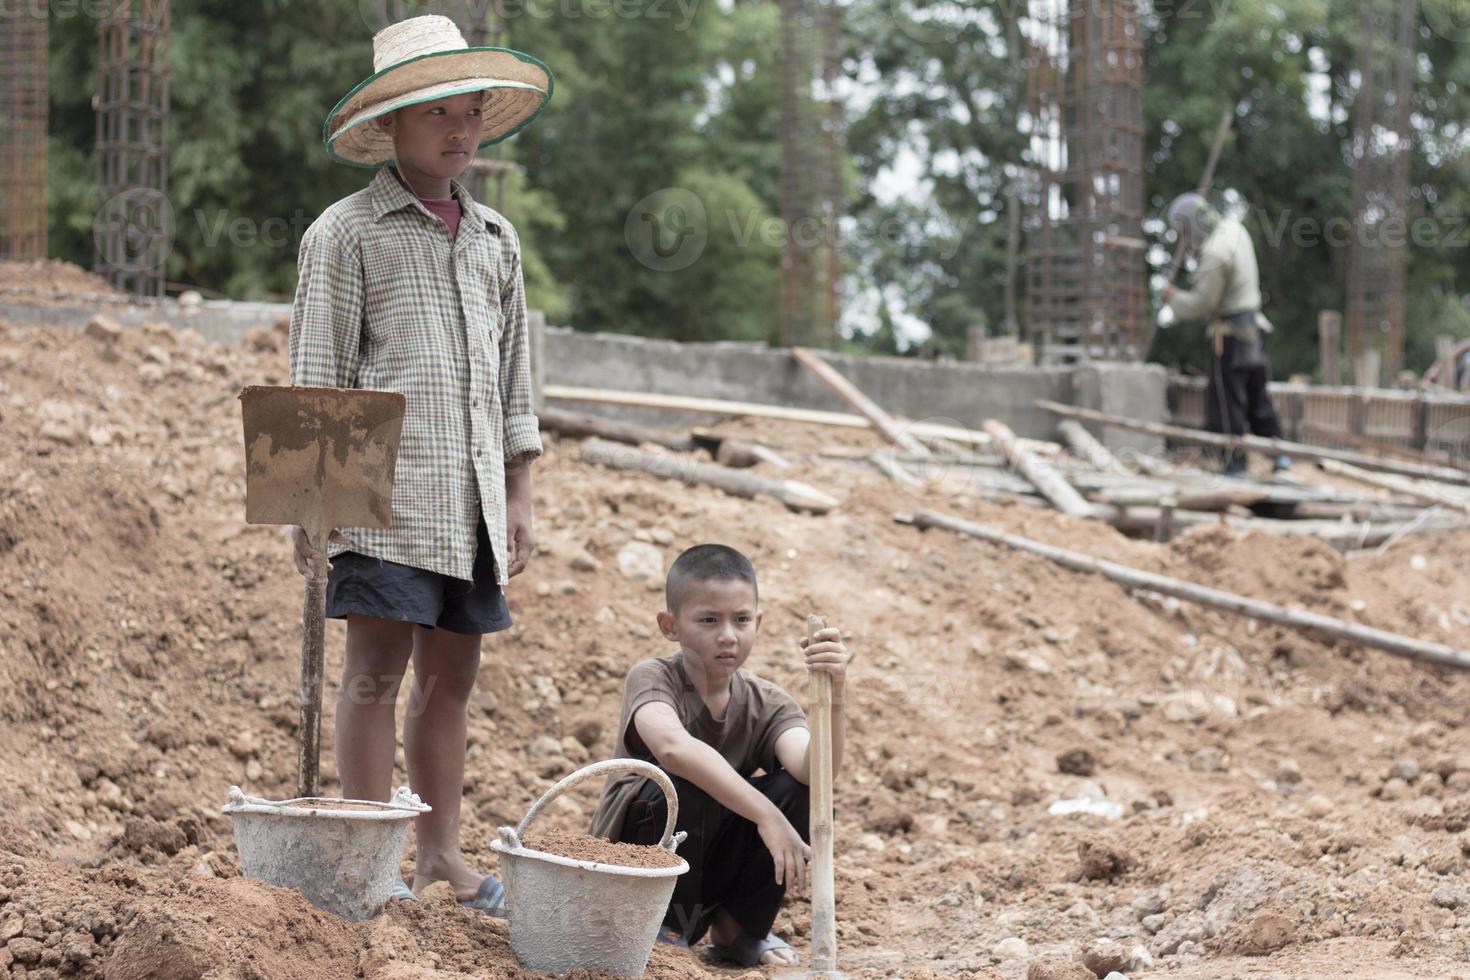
(1370, 500)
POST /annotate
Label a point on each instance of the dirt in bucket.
(339, 805)
(580, 847)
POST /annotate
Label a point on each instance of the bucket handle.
(511, 836)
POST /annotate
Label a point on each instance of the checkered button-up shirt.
(385, 301)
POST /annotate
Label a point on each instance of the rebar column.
(23, 118)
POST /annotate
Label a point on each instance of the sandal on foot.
(490, 898)
(748, 952)
(670, 936)
(402, 892)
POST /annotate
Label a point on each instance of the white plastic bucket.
(343, 860)
(567, 914)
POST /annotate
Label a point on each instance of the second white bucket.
(567, 914)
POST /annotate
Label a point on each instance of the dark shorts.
(364, 586)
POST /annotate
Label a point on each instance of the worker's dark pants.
(729, 865)
(1236, 400)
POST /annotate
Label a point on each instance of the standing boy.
(710, 725)
(410, 285)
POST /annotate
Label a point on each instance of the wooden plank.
(1043, 476)
(739, 483)
(576, 425)
(1259, 444)
(717, 406)
(886, 425)
(1087, 446)
(1392, 643)
(1433, 493)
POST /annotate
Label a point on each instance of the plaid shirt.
(384, 301)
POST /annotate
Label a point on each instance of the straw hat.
(425, 58)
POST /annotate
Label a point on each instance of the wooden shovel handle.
(823, 883)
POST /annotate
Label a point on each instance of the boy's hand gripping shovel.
(319, 459)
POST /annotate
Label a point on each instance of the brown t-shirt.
(758, 713)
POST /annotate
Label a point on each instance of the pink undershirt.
(448, 211)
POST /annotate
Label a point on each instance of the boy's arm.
(522, 435)
(824, 652)
(326, 316)
(687, 757)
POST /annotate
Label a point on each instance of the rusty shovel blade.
(320, 458)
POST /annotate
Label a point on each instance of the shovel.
(319, 459)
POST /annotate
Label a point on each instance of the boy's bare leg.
(725, 931)
(377, 655)
(445, 665)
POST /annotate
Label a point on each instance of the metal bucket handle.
(512, 835)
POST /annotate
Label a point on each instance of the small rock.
(574, 750)
(567, 587)
(584, 562)
(154, 354)
(641, 562)
(1394, 789)
(1153, 923)
(662, 536)
(1077, 762)
(1269, 932)
(254, 770)
(1405, 769)
(872, 842)
(1105, 956)
(544, 746)
(103, 328)
(1011, 948)
(1057, 968)
(1450, 897)
(191, 301)
(543, 589)
(589, 733)
(244, 745)
(553, 767)
(25, 949)
(1318, 806)
(78, 830)
(1031, 660)
(1187, 707)
(1147, 904)
(1139, 958)
(1288, 772)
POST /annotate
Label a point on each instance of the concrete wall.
(962, 393)
(216, 320)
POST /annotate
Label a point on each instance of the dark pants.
(1236, 400)
(729, 866)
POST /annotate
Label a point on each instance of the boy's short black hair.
(706, 563)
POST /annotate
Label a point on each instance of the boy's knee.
(788, 793)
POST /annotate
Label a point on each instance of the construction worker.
(1227, 293)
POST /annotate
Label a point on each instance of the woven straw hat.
(425, 58)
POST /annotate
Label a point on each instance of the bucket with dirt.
(341, 854)
(570, 913)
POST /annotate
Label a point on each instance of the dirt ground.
(1290, 808)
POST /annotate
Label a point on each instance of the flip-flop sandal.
(670, 936)
(748, 952)
(490, 898)
(402, 892)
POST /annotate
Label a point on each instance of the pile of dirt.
(43, 277)
(1280, 795)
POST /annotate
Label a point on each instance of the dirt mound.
(43, 276)
(1227, 771)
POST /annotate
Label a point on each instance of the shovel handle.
(671, 841)
(313, 630)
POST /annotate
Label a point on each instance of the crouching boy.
(710, 724)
